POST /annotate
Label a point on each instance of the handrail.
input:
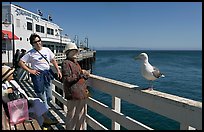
(187, 112)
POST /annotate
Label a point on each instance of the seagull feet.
(148, 88)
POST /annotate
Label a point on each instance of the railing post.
(185, 126)
(116, 105)
(53, 97)
(85, 124)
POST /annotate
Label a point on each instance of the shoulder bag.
(54, 75)
(79, 89)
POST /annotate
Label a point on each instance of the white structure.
(25, 23)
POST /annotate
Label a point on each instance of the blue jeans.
(46, 96)
(42, 86)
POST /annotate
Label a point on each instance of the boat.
(21, 23)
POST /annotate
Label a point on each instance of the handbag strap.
(17, 87)
(73, 71)
(42, 56)
(16, 106)
(71, 67)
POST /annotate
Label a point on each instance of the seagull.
(148, 71)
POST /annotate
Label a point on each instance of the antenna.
(86, 41)
(49, 18)
(39, 12)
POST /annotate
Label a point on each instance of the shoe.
(49, 122)
(45, 128)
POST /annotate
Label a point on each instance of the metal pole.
(7, 50)
(13, 36)
(13, 40)
(87, 43)
(61, 50)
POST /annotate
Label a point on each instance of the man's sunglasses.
(36, 41)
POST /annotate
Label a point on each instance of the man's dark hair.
(32, 38)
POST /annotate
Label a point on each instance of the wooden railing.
(185, 111)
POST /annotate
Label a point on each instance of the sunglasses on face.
(34, 42)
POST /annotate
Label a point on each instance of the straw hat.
(71, 46)
(6, 72)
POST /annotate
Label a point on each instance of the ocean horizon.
(153, 49)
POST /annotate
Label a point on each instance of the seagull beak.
(137, 58)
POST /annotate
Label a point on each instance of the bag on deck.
(18, 110)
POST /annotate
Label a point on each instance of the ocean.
(183, 77)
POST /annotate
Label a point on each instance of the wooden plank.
(5, 121)
(125, 121)
(12, 127)
(20, 126)
(28, 125)
(36, 125)
(94, 124)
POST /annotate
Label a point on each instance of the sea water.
(183, 77)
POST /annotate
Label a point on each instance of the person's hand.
(59, 74)
(10, 90)
(35, 72)
(86, 73)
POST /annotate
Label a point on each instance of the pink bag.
(18, 110)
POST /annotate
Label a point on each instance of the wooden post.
(116, 105)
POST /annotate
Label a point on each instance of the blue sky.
(136, 25)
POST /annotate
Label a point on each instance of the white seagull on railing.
(148, 71)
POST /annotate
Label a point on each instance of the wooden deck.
(55, 112)
(27, 125)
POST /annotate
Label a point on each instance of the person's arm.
(54, 62)
(17, 86)
(25, 67)
(5, 91)
(85, 72)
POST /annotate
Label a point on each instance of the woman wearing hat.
(37, 109)
(6, 75)
(76, 109)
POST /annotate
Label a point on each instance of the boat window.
(17, 22)
(4, 46)
(50, 31)
(39, 28)
(42, 29)
(29, 26)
